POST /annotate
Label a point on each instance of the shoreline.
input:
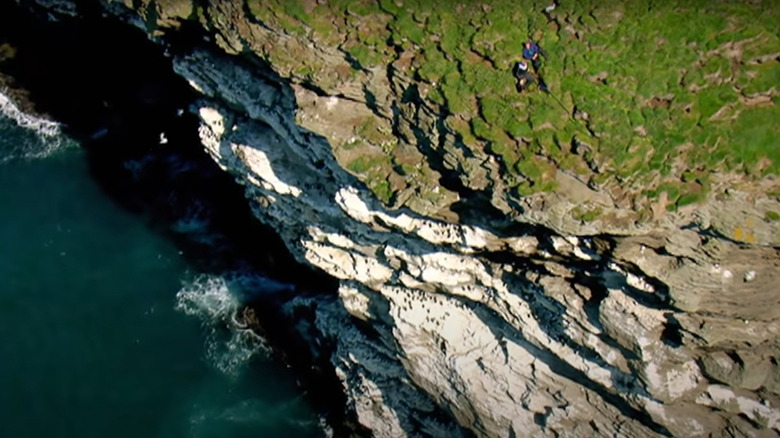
(13, 109)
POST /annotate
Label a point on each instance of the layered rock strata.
(498, 317)
(528, 332)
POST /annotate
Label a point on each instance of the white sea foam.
(43, 127)
(215, 301)
(47, 137)
(208, 298)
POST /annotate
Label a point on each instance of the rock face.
(467, 316)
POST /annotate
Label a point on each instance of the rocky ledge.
(468, 311)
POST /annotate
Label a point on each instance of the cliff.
(600, 261)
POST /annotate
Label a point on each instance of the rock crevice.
(502, 332)
(466, 311)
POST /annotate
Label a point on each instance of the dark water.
(106, 330)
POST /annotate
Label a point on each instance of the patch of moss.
(586, 214)
(361, 8)
(296, 10)
(462, 131)
(690, 198)
(435, 66)
(525, 189)
(304, 70)
(756, 136)
(672, 191)
(712, 99)
(322, 25)
(371, 131)
(457, 94)
(772, 216)
(361, 164)
(381, 189)
(648, 90)
(407, 28)
(506, 151)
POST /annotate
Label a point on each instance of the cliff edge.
(597, 261)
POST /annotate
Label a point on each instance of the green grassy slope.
(666, 93)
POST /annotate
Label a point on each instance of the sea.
(108, 330)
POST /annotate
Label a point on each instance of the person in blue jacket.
(531, 52)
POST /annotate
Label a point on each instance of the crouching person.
(524, 78)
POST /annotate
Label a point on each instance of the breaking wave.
(217, 301)
(43, 127)
(38, 139)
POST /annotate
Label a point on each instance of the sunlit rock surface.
(496, 318)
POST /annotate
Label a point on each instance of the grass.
(664, 87)
(587, 214)
(374, 173)
(688, 199)
(361, 164)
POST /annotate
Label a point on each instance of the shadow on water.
(116, 94)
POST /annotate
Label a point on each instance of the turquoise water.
(106, 332)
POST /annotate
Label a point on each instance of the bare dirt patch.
(659, 208)
(659, 102)
(762, 99)
(599, 78)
